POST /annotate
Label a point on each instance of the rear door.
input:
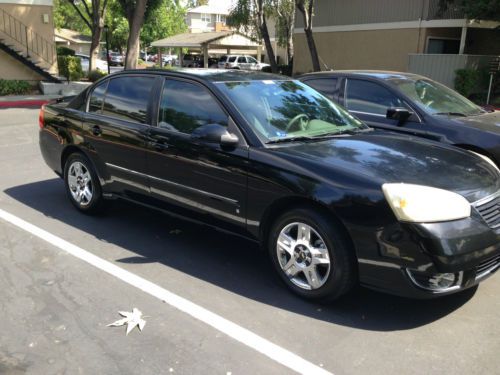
(242, 63)
(188, 173)
(115, 130)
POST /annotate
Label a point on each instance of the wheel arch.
(72, 149)
(277, 208)
(478, 150)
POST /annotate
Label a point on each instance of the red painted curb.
(23, 103)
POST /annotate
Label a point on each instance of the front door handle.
(96, 130)
(158, 146)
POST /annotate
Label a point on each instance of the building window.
(206, 18)
(443, 45)
(221, 18)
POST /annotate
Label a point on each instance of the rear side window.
(231, 59)
(185, 107)
(370, 97)
(127, 98)
(326, 86)
(97, 97)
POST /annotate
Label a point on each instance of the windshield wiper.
(342, 132)
(459, 114)
(290, 139)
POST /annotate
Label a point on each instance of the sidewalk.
(25, 101)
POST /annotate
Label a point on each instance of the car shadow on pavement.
(227, 261)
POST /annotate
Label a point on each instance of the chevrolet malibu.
(333, 202)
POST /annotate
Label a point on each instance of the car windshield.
(286, 110)
(436, 98)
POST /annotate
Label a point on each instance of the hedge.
(96, 74)
(65, 51)
(70, 67)
(14, 87)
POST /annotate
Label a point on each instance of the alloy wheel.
(80, 183)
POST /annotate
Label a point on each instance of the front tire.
(312, 255)
(82, 184)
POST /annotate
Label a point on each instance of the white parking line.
(243, 335)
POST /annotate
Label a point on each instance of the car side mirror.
(401, 115)
(215, 133)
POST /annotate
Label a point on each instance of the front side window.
(251, 60)
(370, 97)
(97, 97)
(127, 98)
(280, 110)
(326, 86)
(186, 106)
(435, 98)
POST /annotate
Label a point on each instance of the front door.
(191, 174)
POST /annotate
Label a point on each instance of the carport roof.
(197, 40)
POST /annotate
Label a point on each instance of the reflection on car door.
(115, 127)
(196, 175)
(369, 102)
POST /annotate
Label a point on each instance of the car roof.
(210, 75)
(379, 74)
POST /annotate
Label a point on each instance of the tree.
(485, 10)
(306, 8)
(196, 3)
(284, 14)
(92, 13)
(166, 20)
(251, 15)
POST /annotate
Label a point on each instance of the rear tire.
(311, 255)
(82, 184)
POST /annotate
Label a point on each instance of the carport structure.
(222, 42)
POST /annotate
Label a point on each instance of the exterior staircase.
(27, 46)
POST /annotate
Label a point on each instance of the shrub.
(70, 67)
(65, 51)
(466, 81)
(96, 74)
(14, 87)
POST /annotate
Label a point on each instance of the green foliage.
(466, 81)
(14, 87)
(488, 10)
(70, 67)
(164, 21)
(66, 17)
(243, 17)
(95, 75)
(65, 51)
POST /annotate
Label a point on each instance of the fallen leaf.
(131, 319)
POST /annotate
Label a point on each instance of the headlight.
(424, 204)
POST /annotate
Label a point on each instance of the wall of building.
(33, 17)
(10, 68)
(374, 49)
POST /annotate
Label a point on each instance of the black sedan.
(412, 104)
(332, 201)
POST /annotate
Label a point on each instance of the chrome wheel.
(303, 256)
(80, 183)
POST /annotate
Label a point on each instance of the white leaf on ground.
(131, 319)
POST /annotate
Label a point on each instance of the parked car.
(192, 61)
(85, 62)
(413, 104)
(242, 62)
(332, 201)
(116, 59)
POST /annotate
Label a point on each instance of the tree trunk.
(135, 21)
(269, 47)
(94, 45)
(307, 17)
(289, 44)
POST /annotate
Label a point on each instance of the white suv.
(243, 62)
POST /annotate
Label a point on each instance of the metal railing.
(32, 43)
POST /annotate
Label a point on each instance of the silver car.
(243, 62)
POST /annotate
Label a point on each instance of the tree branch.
(87, 8)
(81, 14)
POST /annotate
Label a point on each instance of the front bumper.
(406, 255)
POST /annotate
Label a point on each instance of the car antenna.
(324, 63)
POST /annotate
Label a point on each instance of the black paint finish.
(242, 189)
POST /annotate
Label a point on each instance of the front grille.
(490, 212)
(487, 266)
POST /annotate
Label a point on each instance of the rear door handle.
(96, 130)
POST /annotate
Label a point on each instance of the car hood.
(488, 122)
(384, 157)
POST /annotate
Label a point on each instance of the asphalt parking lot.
(55, 307)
